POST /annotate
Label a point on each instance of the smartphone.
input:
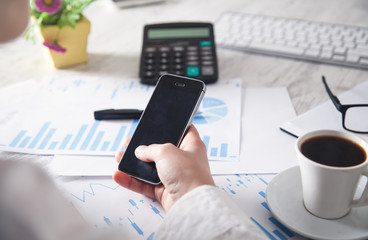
(167, 116)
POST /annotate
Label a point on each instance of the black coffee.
(333, 151)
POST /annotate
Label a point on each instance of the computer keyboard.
(299, 39)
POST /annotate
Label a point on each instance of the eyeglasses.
(354, 116)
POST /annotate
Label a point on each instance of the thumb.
(155, 152)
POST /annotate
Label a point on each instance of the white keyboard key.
(312, 53)
(327, 55)
(339, 58)
(276, 48)
(352, 58)
(295, 38)
(364, 61)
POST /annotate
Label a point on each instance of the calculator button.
(164, 49)
(150, 61)
(150, 55)
(206, 53)
(149, 67)
(164, 60)
(192, 63)
(207, 58)
(162, 72)
(178, 48)
(192, 48)
(192, 58)
(207, 63)
(178, 66)
(206, 48)
(164, 54)
(178, 60)
(178, 54)
(193, 71)
(179, 72)
(148, 74)
(164, 67)
(208, 70)
(205, 43)
(192, 53)
(150, 49)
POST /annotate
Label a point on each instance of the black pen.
(109, 114)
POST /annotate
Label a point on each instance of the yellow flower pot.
(74, 40)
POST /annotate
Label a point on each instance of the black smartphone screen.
(168, 114)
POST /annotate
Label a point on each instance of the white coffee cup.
(328, 191)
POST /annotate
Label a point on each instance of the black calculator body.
(186, 49)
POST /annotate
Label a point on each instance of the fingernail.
(139, 150)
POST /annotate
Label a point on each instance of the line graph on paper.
(106, 205)
(60, 121)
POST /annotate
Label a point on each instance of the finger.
(155, 152)
(126, 142)
(192, 140)
(133, 184)
(118, 156)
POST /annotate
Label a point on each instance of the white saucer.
(284, 198)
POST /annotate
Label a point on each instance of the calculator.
(186, 49)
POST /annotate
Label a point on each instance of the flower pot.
(74, 40)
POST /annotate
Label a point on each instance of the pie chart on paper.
(211, 110)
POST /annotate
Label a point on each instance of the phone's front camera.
(179, 84)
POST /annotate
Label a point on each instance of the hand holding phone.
(166, 118)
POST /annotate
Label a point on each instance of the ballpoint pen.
(110, 114)
(116, 114)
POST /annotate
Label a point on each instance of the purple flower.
(54, 46)
(49, 6)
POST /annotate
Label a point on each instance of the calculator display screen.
(178, 33)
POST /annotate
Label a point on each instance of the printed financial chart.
(139, 217)
(60, 120)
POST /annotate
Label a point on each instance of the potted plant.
(63, 28)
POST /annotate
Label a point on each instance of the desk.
(116, 37)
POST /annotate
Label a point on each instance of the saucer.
(284, 198)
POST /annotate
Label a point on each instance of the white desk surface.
(116, 37)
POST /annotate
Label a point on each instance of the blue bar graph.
(86, 137)
(90, 135)
(17, 138)
(118, 139)
(105, 145)
(213, 152)
(269, 235)
(25, 141)
(97, 140)
(133, 127)
(223, 151)
(65, 141)
(114, 93)
(282, 227)
(39, 135)
(206, 141)
(53, 145)
(47, 138)
(78, 137)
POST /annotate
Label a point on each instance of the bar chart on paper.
(93, 138)
(74, 131)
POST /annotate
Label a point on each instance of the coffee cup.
(331, 166)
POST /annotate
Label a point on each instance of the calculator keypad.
(196, 61)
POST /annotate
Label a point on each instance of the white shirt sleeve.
(207, 213)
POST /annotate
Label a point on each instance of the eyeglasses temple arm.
(334, 99)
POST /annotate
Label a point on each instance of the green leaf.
(68, 19)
